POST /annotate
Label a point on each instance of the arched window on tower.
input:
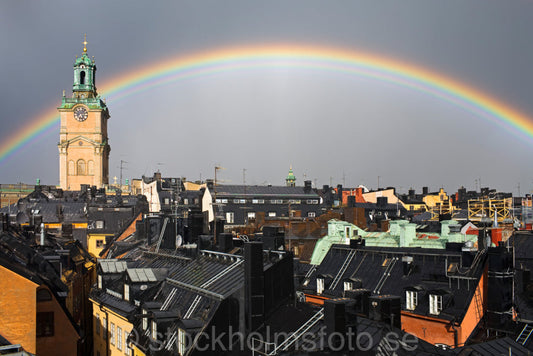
(90, 168)
(82, 77)
(71, 169)
(81, 168)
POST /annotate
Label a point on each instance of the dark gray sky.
(331, 127)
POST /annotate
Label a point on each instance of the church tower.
(83, 142)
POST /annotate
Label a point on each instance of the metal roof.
(141, 275)
(112, 266)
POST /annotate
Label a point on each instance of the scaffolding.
(493, 209)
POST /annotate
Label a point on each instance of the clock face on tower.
(80, 113)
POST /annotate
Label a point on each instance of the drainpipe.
(455, 335)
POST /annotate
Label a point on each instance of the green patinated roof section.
(91, 103)
(290, 176)
(401, 234)
(84, 59)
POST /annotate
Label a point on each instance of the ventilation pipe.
(42, 234)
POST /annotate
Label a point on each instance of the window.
(45, 324)
(276, 201)
(71, 169)
(312, 201)
(182, 341)
(167, 201)
(271, 214)
(112, 334)
(311, 214)
(435, 304)
(230, 217)
(411, 300)
(251, 215)
(186, 201)
(239, 201)
(99, 281)
(43, 295)
(126, 335)
(348, 285)
(82, 77)
(258, 201)
(100, 224)
(126, 291)
(104, 331)
(97, 324)
(99, 243)
(319, 285)
(81, 167)
(145, 320)
(119, 338)
(154, 330)
(90, 168)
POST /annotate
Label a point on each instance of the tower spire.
(85, 43)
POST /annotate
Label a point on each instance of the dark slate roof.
(427, 271)
(263, 190)
(118, 305)
(497, 347)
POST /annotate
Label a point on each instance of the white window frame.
(348, 285)
(272, 214)
(311, 214)
(182, 341)
(145, 319)
(99, 281)
(320, 285)
(411, 299)
(127, 350)
(126, 292)
(251, 215)
(112, 333)
(154, 330)
(258, 201)
(230, 217)
(435, 304)
(119, 338)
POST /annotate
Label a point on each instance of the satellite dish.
(179, 241)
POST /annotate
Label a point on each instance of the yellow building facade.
(110, 332)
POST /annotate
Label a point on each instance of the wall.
(100, 343)
(91, 243)
(18, 313)
(65, 336)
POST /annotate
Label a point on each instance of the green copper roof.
(291, 176)
(84, 59)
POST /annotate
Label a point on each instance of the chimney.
(210, 184)
(254, 285)
(425, 190)
(307, 186)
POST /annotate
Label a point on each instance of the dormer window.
(348, 285)
(154, 330)
(99, 281)
(411, 299)
(435, 304)
(319, 285)
(145, 320)
(126, 291)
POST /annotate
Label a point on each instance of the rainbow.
(290, 56)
